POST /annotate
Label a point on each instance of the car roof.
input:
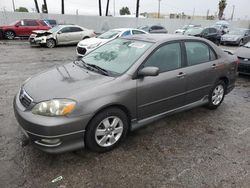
(123, 29)
(160, 37)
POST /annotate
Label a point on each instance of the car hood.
(40, 31)
(90, 41)
(243, 52)
(63, 82)
(231, 36)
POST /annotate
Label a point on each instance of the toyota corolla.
(120, 86)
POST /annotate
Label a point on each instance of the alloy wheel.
(218, 94)
(109, 131)
(9, 35)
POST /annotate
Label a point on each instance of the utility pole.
(62, 6)
(107, 8)
(45, 6)
(13, 3)
(100, 8)
(207, 13)
(232, 16)
(37, 7)
(137, 8)
(159, 8)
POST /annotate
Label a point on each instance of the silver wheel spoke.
(115, 122)
(100, 132)
(112, 139)
(103, 140)
(106, 123)
(118, 130)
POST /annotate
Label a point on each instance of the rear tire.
(106, 130)
(10, 35)
(50, 43)
(216, 95)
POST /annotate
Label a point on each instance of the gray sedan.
(236, 36)
(121, 86)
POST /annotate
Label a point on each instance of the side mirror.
(148, 71)
(59, 32)
(245, 34)
(16, 25)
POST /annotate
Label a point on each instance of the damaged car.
(60, 35)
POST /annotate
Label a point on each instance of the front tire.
(241, 42)
(10, 35)
(216, 95)
(50, 43)
(106, 130)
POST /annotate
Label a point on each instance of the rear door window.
(197, 53)
(75, 29)
(32, 23)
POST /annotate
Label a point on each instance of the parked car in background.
(60, 35)
(120, 86)
(223, 26)
(87, 45)
(23, 28)
(209, 33)
(186, 27)
(52, 23)
(236, 37)
(154, 29)
(243, 53)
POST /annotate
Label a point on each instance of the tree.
(222, 6)
(21, 9)
(124, 11)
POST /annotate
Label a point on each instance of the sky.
(90, 7)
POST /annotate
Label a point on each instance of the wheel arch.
(115, 105)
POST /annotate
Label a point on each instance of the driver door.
(63, 36)
(166, 91)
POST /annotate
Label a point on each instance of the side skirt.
(138, 124)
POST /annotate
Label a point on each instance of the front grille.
(244, 68)
(81, 50)
(25, 99)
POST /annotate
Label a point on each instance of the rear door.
(167, 90)
(63, 36)
(31, 25)
(202, 69)
(76, 34)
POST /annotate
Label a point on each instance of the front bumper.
(244, 66)
(226, 41)
(51, 134)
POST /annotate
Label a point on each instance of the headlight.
(93, 45)
(55, 107)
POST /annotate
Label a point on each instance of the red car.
(23, 28)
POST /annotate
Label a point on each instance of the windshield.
(247, 45)
(193, 31)
(236, 32)
(118, 55)
(109, 34)
(55, 29)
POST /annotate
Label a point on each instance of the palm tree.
(100, 8)
(222, 6)
(37, 7)
(107, 8)
(62, 6)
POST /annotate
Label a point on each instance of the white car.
(186, 27)
(87, 45)
(60, 35)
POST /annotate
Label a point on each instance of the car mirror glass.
(148, 71)
(59, 32)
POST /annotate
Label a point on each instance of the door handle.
(214, 66)
(181, 75)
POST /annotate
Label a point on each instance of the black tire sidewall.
(91, 129)
(210, 103)
(53, 42)
(10, 32)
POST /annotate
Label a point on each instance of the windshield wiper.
(96, 68)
